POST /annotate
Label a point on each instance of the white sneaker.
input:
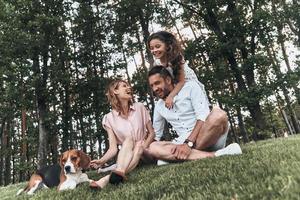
(109, 168)
(232, 149)
(162, 162)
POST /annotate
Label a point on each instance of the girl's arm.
(111, 152)
(177, 88)
(150, 136)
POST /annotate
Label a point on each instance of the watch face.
(190, 144)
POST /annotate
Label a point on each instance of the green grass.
(266, 170)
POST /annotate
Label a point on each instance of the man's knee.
(219, 116)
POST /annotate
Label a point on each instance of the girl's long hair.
(174, 50)
(111, 96)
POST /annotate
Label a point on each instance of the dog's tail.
(20, 191)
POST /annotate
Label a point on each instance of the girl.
(129, 126)
(168, 53)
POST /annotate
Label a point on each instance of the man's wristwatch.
(189, 143)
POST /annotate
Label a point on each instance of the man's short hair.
(161, 70)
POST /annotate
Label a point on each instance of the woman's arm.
(150, 136)
(111, 152)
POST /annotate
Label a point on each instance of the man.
(201, 133)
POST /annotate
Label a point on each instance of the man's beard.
(166, 92)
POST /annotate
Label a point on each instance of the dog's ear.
(84, 160)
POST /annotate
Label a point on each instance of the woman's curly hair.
(174, 50)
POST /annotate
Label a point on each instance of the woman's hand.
(96, 164)
(142, 144)
(169, 102)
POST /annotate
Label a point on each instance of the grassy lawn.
(266, 170)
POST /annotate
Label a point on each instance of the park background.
(56, 58)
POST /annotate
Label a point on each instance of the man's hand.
(181, 152)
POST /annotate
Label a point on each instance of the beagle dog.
(66, 175)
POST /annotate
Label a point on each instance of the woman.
(128, 126)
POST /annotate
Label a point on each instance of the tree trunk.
(232, 127)
(53, 143)
(3, 143)
(43, 133)
(193, 30)
(40, 90)
(24, 145)
(141, 50)
(7, 153)
(83, 131)
(286, 120)
(13, 169)
(241, 124)
(145, 29)
(293, 115)
(96, 102)
(67, 119)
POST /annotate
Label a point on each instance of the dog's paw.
(67, 185)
